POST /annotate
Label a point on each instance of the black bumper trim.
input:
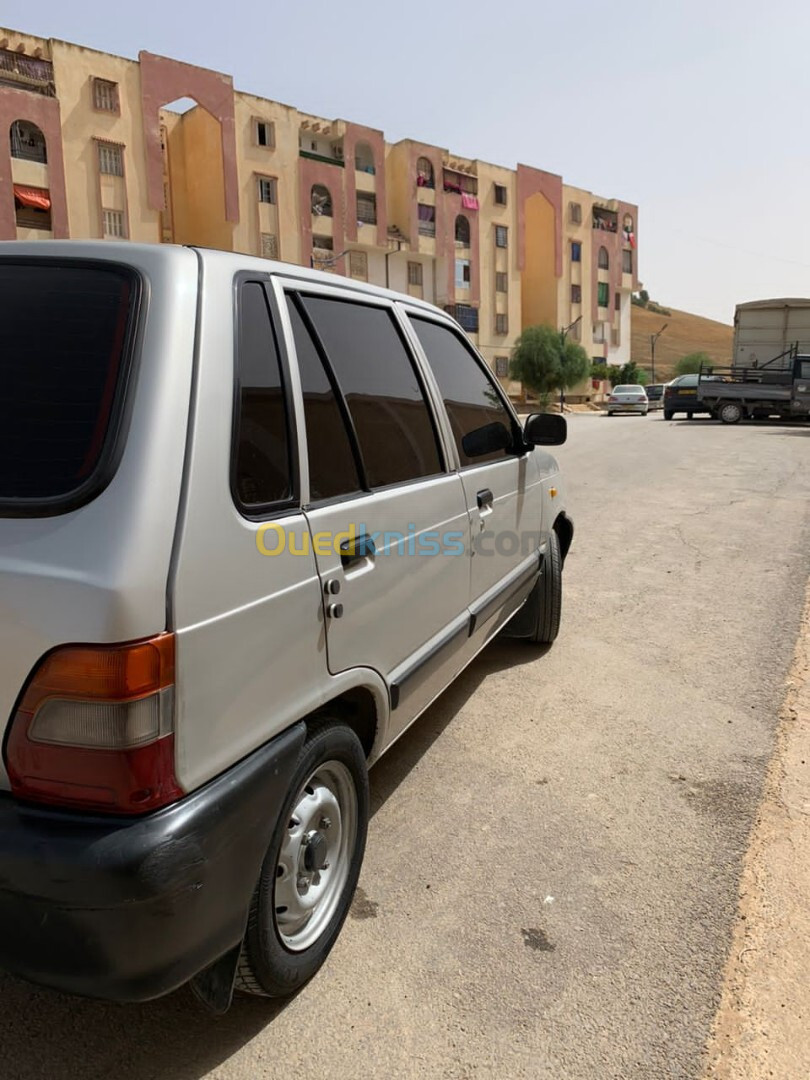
(130, 909)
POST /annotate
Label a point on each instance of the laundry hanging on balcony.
(469, 202)
(36, 198)
(629, 237)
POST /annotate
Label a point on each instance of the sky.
(696, 111)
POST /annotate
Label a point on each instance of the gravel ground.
(552, 876)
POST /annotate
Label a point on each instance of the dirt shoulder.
(763, 1019)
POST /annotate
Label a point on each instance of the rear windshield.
(64, 357)
(629, 390)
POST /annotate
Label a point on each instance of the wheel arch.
(564, 528)
(362, 708)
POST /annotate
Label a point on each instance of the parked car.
(628, 399)
(655, 395)
(239, 503)
(680, 395)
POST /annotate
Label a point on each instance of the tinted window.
(375, 373)
(470, 396)
(805, 369)
(63, 365)
(332, 468)
(262, 457)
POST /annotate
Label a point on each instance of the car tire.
(730, 412)
(668, 415)
(318, 843)
(546, 596)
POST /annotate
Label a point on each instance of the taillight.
(94, 728)
(613, 398)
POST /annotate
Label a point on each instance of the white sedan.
(628, 399)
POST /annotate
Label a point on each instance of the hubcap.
(316, 850)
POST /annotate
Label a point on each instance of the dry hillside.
(684, 334)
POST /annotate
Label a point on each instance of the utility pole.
(563, 335)
(653, 339)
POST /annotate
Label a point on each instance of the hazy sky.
(698, 112)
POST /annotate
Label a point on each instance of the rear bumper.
(129, 910)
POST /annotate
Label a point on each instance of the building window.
(110, 159)
(463, 231)
(501, 324)
(32, 207)
(358, 265)
(599, 334)
(415, 273)
(364, 159)
(27, 142)
(321, 201)
(264, 132)
(105, 96)
(502, 367)
(366, 208)
(427, 220)
(115, 227)
(604, 259)
(462, 273)
(425, 176)
(501, 281)
(576, 294)
(575, 213)
(617, 301)
(267, 190)
(501, 238)
(323, 243)
(627, 262)
(603, 294)
(500, 194)
(576, 251)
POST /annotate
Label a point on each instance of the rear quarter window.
(66, 337)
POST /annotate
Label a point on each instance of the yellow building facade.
(159, 151)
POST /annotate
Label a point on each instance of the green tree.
(690, 364)
(628, 374)
(600, 370)
(544, 362)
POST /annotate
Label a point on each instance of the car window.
(64, 363)
(262, 459)
(378, 380)
(332, 465)
(471, 398)
(686, 380)
(628, 390)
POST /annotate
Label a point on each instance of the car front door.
(502, 488)
(387, 515)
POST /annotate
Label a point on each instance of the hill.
(684, 334)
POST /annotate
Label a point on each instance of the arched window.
(604, 259)
(424, 173)
(27, 142)
(462, 231)
(364, 158)
(321, 201)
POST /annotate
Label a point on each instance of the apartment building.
(161, 151)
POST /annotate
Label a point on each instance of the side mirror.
(545, 429)
(486, 440)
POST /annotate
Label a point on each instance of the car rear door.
(387, 515)
(503, 490)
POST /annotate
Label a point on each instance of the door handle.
(485, 498)
(356, 550)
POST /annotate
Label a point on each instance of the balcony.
(465, 316)
(26, 73)
(605, 220)
(312, 156)
(427, 228)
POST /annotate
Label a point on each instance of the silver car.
(239, 504)
(628, 399)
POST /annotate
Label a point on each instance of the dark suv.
(680, 395)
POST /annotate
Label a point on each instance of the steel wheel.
(730, 412)
(313, 863)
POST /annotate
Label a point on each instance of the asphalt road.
(554, 856)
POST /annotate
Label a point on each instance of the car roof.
(126, 252)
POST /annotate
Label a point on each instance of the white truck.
(765, 330)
